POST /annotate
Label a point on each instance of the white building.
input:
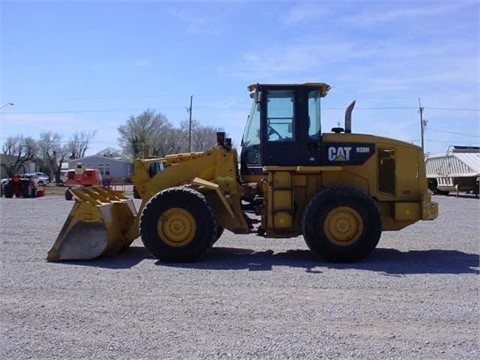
(456, 170)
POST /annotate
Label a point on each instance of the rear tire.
(342, 224)
(68, 195)
(27, 191)
(8, 190)
(178, 225)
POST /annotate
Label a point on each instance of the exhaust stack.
(348, 118)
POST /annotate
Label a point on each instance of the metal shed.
(456, 170)
(116, 170)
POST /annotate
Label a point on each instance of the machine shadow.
(124, 260)
(383, 260)
(388, 261)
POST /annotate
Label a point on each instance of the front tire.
(178, 225)
(342, 224)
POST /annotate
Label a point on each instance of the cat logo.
(340, 153)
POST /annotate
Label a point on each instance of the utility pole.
(423, 124)
(190, 125)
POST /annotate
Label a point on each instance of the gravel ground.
(417, 296)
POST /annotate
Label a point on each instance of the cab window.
(314, 128)
(280, 115)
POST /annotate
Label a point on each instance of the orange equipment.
(81, 177)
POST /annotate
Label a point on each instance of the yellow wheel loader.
(338, 189)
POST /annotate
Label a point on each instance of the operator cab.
(284, 127)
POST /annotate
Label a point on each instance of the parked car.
(43, 175)
(3, 182)
(37, 178)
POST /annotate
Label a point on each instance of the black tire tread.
(326, 200)
(200, 209)
(68, 195)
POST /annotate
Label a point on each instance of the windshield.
(251, 136)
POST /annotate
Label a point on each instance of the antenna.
(190, 125)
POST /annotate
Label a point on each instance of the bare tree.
(53, 153)
(153, 130)
(16, 151)
(171, 141)
(79, 143)
(109, 152)
(149, 129)
(203, 137)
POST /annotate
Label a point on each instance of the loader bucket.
(98, 225)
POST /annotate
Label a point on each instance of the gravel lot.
(417, 297)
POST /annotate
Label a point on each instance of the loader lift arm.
(213, 173)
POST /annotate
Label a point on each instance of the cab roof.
(323, 87)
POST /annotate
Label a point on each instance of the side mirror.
(258, 96)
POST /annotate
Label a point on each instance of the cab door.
(291, 127)
(279, 128)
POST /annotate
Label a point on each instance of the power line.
(76, 111)
(374, 108)
(447, 141)
(2, 138)
(451, 109)
(454, 133)
(86, 111)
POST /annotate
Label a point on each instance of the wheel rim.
(343, 226)
(176, 227)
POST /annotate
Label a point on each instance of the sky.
(84, 66)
